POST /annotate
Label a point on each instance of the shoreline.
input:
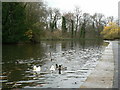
(102, 75)
(65, 39)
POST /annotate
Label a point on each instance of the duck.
(37, 69)
(52, 68)
(60, 67)
(56, 66)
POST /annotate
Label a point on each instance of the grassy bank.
(63, 39)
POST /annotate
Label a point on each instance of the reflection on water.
(80, 57)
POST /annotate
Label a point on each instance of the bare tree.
(110, 19)
(54, 16)
(98, 22)
(69, 16)
(78, 15)
(85, 21)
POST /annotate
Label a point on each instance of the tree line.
(33, 21)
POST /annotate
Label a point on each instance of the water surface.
(80, 58)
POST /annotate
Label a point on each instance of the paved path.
(119, 65)
(102, 75)
(116, 53)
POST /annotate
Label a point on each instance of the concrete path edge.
(102, 75)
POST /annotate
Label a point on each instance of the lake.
(79, 58)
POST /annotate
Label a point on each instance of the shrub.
(111, 31)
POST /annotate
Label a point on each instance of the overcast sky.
(106, 7)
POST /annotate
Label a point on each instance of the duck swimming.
(56, 66)
(37, 69)
(52, 68)
(60, 67)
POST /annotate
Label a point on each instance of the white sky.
(106, 7)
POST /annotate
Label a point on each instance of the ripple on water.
(75, 76)
(70, 71)
(79, 64)
(29, 81)
(2, 81)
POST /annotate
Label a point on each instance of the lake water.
(79, 57)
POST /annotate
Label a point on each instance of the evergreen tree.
(72, 28)
(82, 33)
(64, 29)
